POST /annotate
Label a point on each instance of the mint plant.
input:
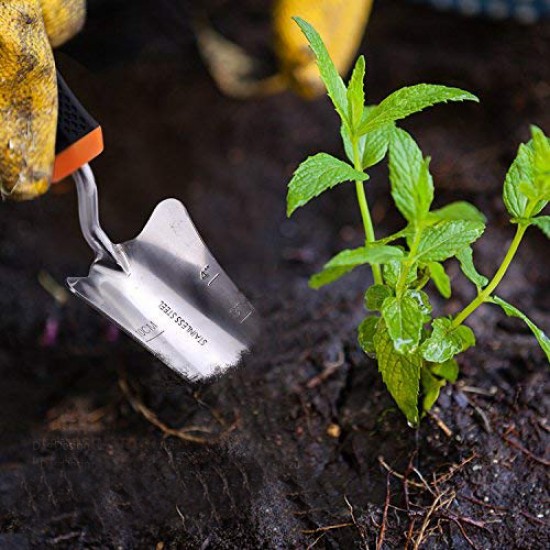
(415, 351)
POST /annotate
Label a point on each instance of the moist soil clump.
(101, 446)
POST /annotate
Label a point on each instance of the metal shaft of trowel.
(89, 220)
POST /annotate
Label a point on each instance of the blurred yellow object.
(28, 90)
(63, 19)
(341, 24)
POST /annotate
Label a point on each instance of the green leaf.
(376, 146)
(402, 233)
(404, 321)
(512, 311)
(368, 254)
(440, 278)
(543, 223)
(366, 332)
(527, 184)
(356, 92)
(347, 260)
(466, 258)
(447, 370)
(328, 276)
(423, 276)
(315, 175)
(446, 238)
(423, 303)
(409, 100)
(375, 296)
(346, 140)
(392, 271)
(335, 85)
(460, 210)
(411, 183)
(541, 145)
(433, 378)
(445, 341)
(401, 373)
(520, 171)
(431, 386)
(372, 146)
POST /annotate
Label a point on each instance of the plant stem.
(488, 290)
(364, 207)
(406, 266)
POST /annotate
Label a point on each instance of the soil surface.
(301, 446)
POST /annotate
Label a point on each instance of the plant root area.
(102, 446)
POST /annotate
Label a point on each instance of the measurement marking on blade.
(247, 316)
(204, 272)
(213, 279)
(156, 336)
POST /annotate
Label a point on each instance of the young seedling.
(415, 351)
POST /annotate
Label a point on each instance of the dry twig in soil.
(524, 450)
(439, 509)
(185, 434)
(360, 528)
(330, 367)
(382, 533)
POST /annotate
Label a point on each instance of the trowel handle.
(79, 138)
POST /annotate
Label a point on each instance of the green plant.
(415, 351)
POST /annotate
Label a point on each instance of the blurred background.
(81, 465)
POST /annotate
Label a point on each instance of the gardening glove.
(28, 90)
(341, 24)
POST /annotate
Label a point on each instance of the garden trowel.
(164, 288)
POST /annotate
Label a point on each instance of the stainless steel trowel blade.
(173, 297)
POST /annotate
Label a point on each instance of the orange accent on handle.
(77, 154)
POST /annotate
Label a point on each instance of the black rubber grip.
(73, 121)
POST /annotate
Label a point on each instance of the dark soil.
(304, 434)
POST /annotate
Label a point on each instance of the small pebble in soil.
(333, 430)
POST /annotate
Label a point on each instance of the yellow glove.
(341, 24)
(28, 90)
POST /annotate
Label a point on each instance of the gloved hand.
(341, 24)
(28, 90)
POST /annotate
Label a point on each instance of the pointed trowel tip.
(71, 282)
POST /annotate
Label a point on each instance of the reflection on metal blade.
(173, 297)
